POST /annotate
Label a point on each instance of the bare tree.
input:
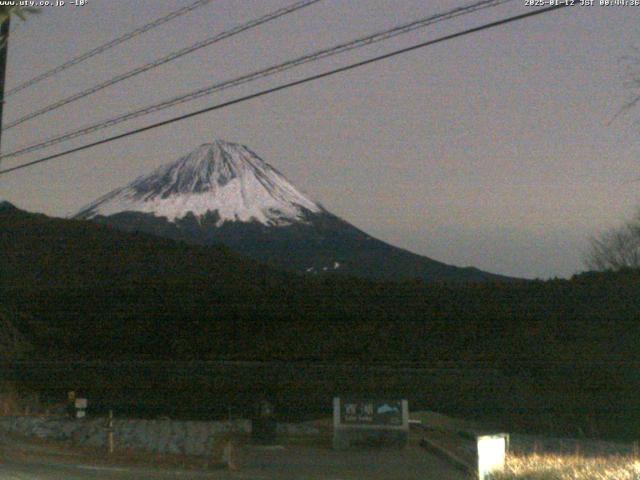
(20, 12)
(617, 248)
(630, 65)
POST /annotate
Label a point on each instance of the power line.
(163, 60)
(314, 56)
(107, 46)
(290, 84)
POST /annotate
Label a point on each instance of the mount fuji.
(223, 193)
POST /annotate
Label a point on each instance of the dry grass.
(11, 400)
(570, 467)
(16, 400)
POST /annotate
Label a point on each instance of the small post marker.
(230, 456)
(110, 433)
(492, 451)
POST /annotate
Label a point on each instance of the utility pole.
(4, 36)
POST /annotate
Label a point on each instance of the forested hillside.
(87, 291)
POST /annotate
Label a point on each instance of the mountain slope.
(221, 177)
(6, 206)
(93, 290)
(224, 193)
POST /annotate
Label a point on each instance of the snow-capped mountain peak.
(220, 177)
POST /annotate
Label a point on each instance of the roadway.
(21, 460)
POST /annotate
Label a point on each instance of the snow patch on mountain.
(336, 266)
(221, 177)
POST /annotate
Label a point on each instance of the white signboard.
(365, 422)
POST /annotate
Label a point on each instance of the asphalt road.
(22, 459)
(10, 470)
(285, 464)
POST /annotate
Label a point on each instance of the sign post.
(81, 407)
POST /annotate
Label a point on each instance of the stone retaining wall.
(161, 436)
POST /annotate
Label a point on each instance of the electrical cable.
(107, 46)
(291, 84)
(161, 61)
(314, 56)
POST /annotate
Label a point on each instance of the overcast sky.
(498, 150)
